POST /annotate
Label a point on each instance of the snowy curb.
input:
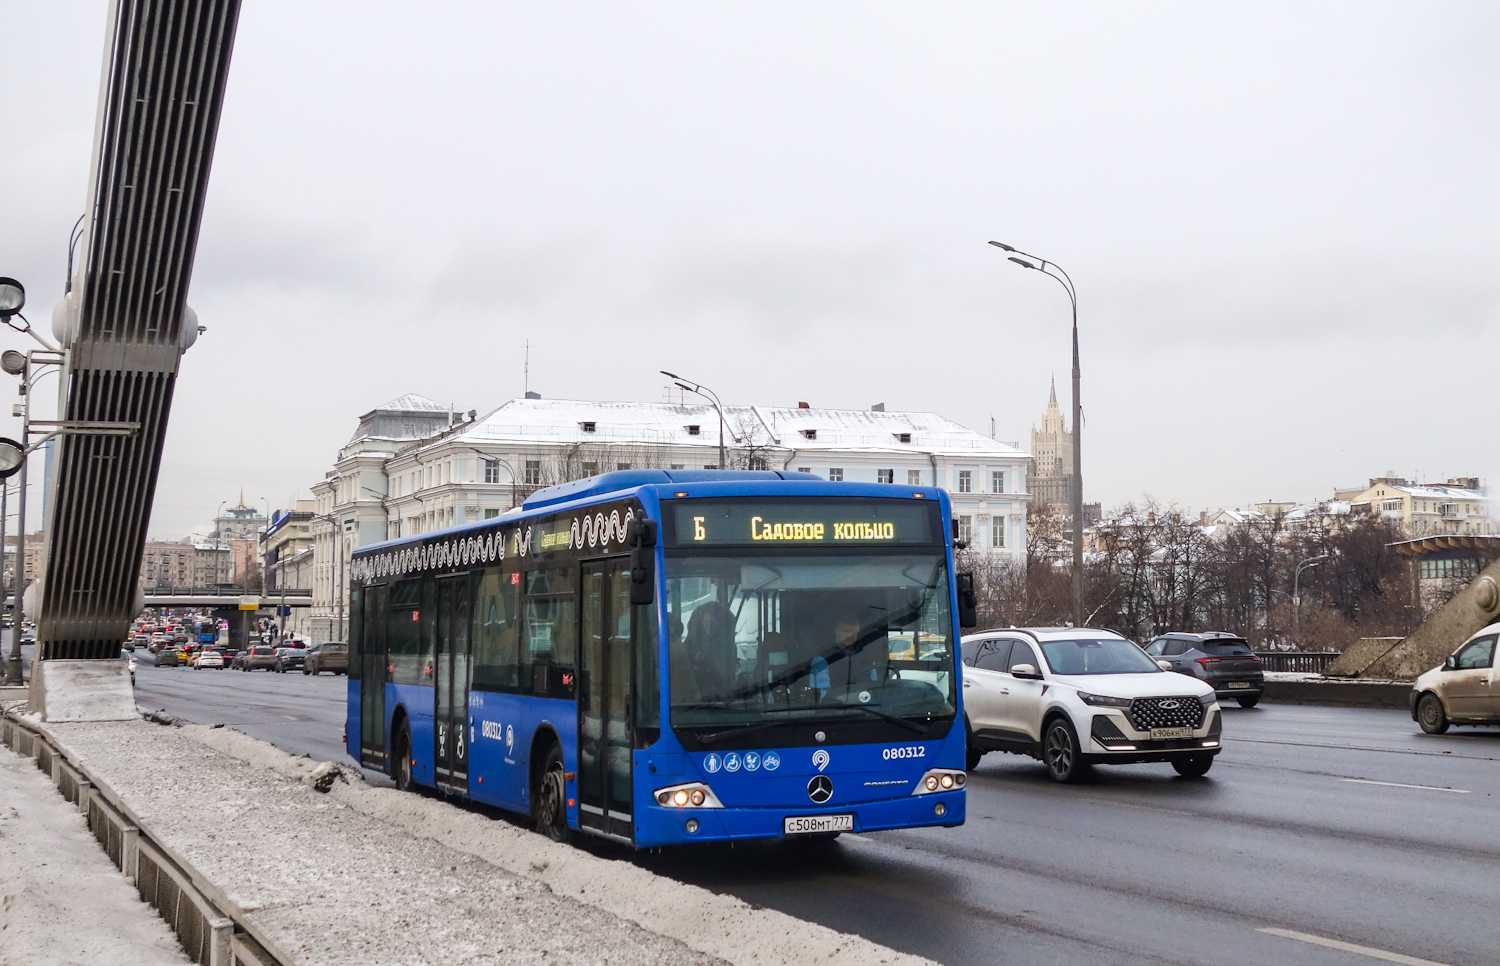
(719, 925)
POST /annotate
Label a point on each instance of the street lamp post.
(1077, 501)
(700, 390)
(1297, 592)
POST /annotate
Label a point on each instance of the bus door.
(372, 677)
(451, 679)
(604, 701)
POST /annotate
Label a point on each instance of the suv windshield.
(1104, 655)
(760, 639)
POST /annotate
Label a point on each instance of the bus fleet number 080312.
(904, 751)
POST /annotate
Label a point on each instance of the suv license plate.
(1158, 734)
(1238, 684)
(812, 824)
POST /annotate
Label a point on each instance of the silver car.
(1464, 689)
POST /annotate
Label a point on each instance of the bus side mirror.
(642, 540)
(968, 602)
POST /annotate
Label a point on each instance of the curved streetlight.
(1077, 501)
(687, 385)
(1297, 590)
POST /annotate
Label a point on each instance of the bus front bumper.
(658, 825)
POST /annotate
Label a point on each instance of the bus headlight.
(940, 780)
(690, 795)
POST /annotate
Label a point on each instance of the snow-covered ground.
(372, 875)
(64, 903)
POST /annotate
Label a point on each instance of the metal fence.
(1304, 662)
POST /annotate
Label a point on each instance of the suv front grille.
(1169, 712)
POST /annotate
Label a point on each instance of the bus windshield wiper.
(903, 722)
(744, 729)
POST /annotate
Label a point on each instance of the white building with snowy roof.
(414, 465)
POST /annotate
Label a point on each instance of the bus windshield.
(763, 639)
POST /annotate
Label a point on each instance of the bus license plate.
(813, 824)
(1239, 684)
(1164, 733)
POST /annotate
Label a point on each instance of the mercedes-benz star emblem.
(820, 789)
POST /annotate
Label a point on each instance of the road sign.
(250, 602)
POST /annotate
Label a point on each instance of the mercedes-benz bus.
(660, 657)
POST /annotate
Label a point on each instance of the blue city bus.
(206, 632)
(661, 657)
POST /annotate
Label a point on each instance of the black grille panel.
(1215, 726)
(1106, 733)
(1168, 712)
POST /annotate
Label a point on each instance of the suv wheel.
(1193, 766)
(1060, 752)
(1249, 700)
(971, 754)
(1430, 715)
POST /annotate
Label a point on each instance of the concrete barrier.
(1339, 693)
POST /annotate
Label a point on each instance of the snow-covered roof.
(808, 430)
(413, 403)
(1238, 514)
(1305, 511)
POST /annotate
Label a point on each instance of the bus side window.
(403, 632)
(497, 634)
(356, 629)
(551, 618)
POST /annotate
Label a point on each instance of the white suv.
(1078, 697)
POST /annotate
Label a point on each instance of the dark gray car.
(1223, 660)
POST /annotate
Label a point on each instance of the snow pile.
(64, 903)
(82, 691)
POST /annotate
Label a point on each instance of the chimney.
(803, 405)
(533, 395)
(878, 408)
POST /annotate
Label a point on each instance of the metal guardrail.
(161, 590)
(1299, 662)
(210, 935)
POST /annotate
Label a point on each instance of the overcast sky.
(1283, 221)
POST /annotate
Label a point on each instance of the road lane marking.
(1425, 788)
(1369, 951)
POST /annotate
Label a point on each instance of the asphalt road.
(1339, 825)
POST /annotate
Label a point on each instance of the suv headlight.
(691, 795)
(1208, 700)
(1103, 700)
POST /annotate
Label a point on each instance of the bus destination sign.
(800, 522)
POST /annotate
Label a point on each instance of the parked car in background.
(1464, 689)
(290, 659)
(330, 656)
(209, 658)
(1223, 660)
(260, 657)
(1076, 697)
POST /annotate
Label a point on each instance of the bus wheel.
(549, 806)
(403, 758)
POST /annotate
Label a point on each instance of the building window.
(966, 529)
(694, 429)
(903, 437)
(710, 466)
(809, 434)
(835, 474)
(679, 466)
(885, 476)
(591, 469)
(965, 481)
(913, 477)
(533, 472)
(491, 513)
(997, 532)
(804, 469)
(622, 466)
(492, 471)
(997, 482)
(588, 426)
